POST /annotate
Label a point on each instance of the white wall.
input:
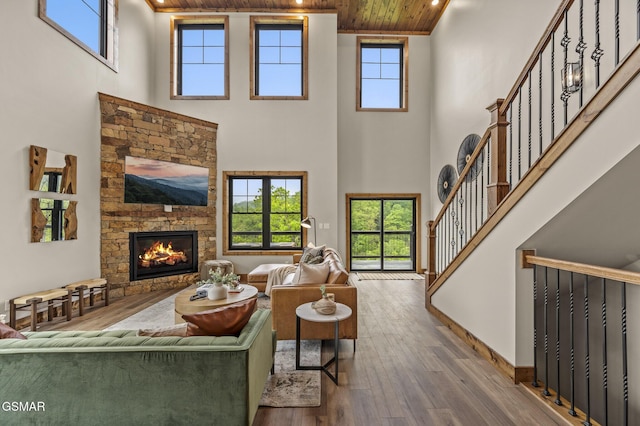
(478, 50)
(265, 135)
(384, 152)
(49, 90)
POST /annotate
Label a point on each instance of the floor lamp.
(306, 223)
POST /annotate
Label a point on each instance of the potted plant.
(217, 280)
(325, 306)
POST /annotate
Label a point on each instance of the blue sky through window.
(81, 18)
(380, 75)
(280, 61)
(202, 68)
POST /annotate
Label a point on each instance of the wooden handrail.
(591, 270)
(542, 44)
(463, 175)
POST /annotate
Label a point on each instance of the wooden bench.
(59, 296)
(78, 288)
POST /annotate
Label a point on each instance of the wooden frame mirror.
(53, 220)
(52, 171)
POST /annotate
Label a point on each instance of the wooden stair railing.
(505, 165)
(571, 348)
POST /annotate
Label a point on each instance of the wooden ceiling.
(354, 16)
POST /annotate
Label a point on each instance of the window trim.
(404, 72)
(177, 21)
(279, 20)
(226, 237)
(108, 54)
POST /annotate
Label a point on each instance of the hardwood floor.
(408, 369)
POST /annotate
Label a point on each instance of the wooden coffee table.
(185, 306)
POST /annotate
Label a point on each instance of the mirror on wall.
(53, 220)
(52, 171)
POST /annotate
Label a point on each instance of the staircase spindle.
(540, 101)
(558, 401)
(511, 144)
(604, 353)
(597, 52)
(580, 48)
(519, 133)
(565, 47)
(553, 73)
(625, 380)
(572, 372)
(529, 124)
(586, 356)
(617, 33)
(545, 392)
(535, 327)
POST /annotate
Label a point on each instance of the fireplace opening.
(162, 253)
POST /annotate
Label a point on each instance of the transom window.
(382, 74)
(199, 58)
(263, 212)
(91, 24)
(279, 64)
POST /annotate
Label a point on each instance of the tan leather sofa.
(285, 300)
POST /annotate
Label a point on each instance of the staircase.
(549, 149)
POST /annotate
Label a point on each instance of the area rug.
(289, 387)
(389, 276)
(158, 315)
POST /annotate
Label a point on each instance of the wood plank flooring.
(408, 369)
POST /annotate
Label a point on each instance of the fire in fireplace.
(162, 253)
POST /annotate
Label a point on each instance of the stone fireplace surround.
(132, 129)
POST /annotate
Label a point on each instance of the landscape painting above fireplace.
(162, 182)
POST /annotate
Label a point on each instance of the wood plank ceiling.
(417, 17)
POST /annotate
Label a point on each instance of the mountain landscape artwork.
(162, 182)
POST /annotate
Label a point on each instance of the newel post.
(431, 275)
(498, 187)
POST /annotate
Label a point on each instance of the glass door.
(382, 234)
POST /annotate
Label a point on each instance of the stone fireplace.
(162, 253)
(137, 130)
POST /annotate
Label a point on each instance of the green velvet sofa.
(118, 378)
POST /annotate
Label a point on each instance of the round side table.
(307, 313)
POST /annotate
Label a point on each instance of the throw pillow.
(179, 330)
(311, 251)
(311, 274)
(224, 321)
(7, 332)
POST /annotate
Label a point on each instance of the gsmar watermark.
(23, 406)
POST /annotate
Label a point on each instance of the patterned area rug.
(389, 276)
(291, 388)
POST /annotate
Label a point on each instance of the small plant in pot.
(219, 280)
(325, 306)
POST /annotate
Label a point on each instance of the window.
(200, 57)
(263, 211)
(91, 24)
(279, 57)
(382, 75)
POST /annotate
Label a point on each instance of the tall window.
(382, 74)
(263, 212)
(279, 58)
(91, 24)
(199, 58)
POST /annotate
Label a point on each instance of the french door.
(382, 233)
